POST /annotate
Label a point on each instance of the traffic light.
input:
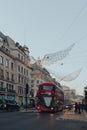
(27, 88)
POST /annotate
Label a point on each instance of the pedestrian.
(82, 106)
(79, 107)
(76, 107)
(22, 105)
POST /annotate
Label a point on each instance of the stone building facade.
(69, 95)
(14, 69)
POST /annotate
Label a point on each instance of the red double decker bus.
(50, 97)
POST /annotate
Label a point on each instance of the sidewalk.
(71, 115)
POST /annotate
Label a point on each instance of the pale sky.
(48, 26)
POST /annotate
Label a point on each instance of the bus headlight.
(4, 105)
(51, 108)
(38, 107)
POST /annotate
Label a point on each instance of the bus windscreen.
(46, 87)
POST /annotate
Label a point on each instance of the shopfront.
(2, 96)
(11, 97)
(20, 100)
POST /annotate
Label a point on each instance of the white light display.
(66, 77)
(52, 58)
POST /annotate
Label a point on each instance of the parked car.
(9, 105)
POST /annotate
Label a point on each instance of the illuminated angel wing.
(54, 57)
(65, 77)
(72, 76)
(32, 60)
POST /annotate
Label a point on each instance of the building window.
(1, 84)
(19, 78)
(20, 90)
(22, 58)
(18, 55)
(1, 73)
(10, 88)
(22, 70)
(22, 80)
(12, 66)
(37, 81)
(18, 68)
(1, 60)
(7, 75)
(12, 77)
(32, 85)
(8, 51)
(27, 72)
(7, 63)
(32, 81)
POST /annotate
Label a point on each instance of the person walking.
(79, 107)
(76, 107)
(82, 106)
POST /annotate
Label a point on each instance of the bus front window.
(46, 87)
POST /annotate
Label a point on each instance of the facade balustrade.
(10, 90)
(2, 89)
